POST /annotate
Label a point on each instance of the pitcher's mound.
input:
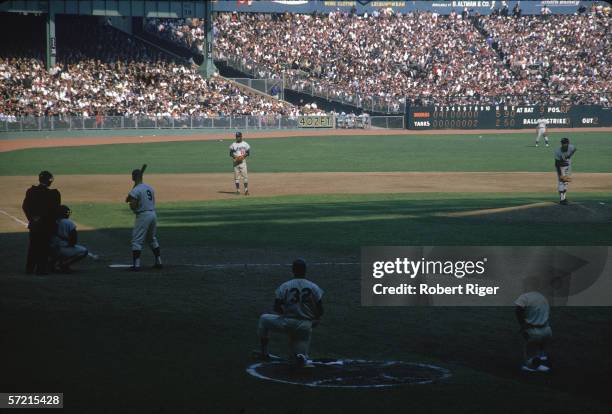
(349, 373)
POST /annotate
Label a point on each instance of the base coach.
(40, 206)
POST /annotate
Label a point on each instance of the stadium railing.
(298, 81)
(59, 123)
(66, 123)
(264, 85)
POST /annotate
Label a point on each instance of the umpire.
(40, 206)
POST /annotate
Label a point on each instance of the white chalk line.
(242, 265)
(443, 375)
(18, 220)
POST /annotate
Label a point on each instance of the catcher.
(239, 151)
(563, 164)
(64, 245)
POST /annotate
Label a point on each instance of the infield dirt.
(212, 186)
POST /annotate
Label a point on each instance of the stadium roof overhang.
(127, 8)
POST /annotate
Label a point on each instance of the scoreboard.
(506, 116)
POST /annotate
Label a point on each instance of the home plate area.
(349, 373)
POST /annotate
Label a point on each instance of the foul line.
(481, 212)
(242, 265)
(18, 220)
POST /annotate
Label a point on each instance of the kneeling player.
(532, 312)
(298, 308)
(64, 242)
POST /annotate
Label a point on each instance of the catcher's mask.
(136, 175)
(63, 211)
(45, 177)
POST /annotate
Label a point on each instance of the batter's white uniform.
(541, 129)
(298, 298)
(60, 240)
(565, 167)
(240, 168)
(537, 311)
(145, 225)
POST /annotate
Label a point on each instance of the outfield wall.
(270, 122)
(506, 116)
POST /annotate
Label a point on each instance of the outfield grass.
(506, 152)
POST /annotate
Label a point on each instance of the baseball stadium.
(193, 193)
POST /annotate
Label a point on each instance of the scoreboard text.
(506, 116)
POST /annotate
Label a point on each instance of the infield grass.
(179, 340)
(312, 221)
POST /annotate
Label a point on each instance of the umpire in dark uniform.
(40, 206)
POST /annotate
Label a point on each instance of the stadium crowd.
(425, 56)
(89, 87)
(385, 55)
(372, 61)
(109, 73)
(557, 54)
(186, 32)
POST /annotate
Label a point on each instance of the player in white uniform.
(541, 131)
(64, 245)
(298, 308)
(142, 203)
(239, 151)
(563, 164)
(532, 312)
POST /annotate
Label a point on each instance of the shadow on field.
(391, 222)
(178, 340)
(182, 337)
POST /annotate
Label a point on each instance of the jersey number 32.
(295, 295)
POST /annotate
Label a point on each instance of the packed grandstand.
(428, 57)
(382, 57)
